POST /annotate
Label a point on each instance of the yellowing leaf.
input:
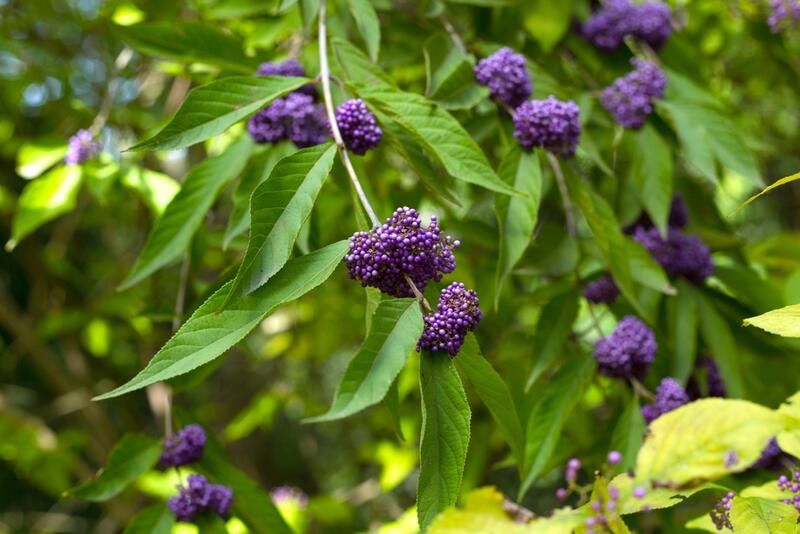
(764, 516)
(654, 499)
(482, 512)
(706, 440)
(783, 321)
(770, 187)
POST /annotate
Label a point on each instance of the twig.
(325, 75)
(562, 187)
(640, 390)
(451, 31)
(120, 63)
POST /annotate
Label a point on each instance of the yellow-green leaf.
(770, 187)
(783, 321)
(763, 516)
(706, 440)
(482, 511)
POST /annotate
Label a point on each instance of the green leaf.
(770, 187)
(717, 336)
(450, 77)
(44, 199)
(210, 331)
(174, 229)
(493, 392)
(368, 25)
(439, 133)
(683, 326)
(705, 440)
(250, 503)
(547, 21)
(552, 330)
(516, 217)
(763, 515)
(395, 329)
(485, 3)
(156, 189)
(557, 397)
(189, 42)
(356, 66)
(133, 456)
(211, 109)
(482, 511)
(651, 173)
(309, 9)
(35, 157)
(644, 269)
(157, 519)
(258, 169)
(629, 434)
(278, 209)
(392, 403)
(783, 321)
(445, 436)
(606, 231)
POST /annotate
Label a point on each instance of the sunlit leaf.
(43, 200)
(763, 515)
(770, 187)
(783, 321)
(156, 189)
(706, 440)
(481, 511)
(36, 157)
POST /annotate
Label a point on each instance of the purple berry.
(628, 351)
(561, 494)
(630, 98)
(291, 67)
(506, 75)
(639, 492)
(720, 514)
(653, 24)
(609, 25)
(669, 396)
(282, 494)
(81, 147)
(614, 457)
(198, 496)
(678, 216)
(771, 458)
(715, 387)
(401, 247)
(359, 129)
(549, 123)
(456, 314)
(183, 447)
(601, 290)
(784, 13)
(679, 254)
(295, 117)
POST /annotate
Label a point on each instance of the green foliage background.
(729, 125)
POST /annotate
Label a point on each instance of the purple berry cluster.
(678, 216)
(721, 513)
(296, 117)
(628, 351)
(630, 98)
(783, 13)
(183, 447)
(457, 313)
(649, 22)
(81, 147)
(791, 485)
(401, 247)
(358, 126)
(669, 396)
(550, 123)
(601, 290)
(772, 457)
(714, 385)
(679, 254)
(505, 73)
(198, 496)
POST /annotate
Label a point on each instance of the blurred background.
(67, 333)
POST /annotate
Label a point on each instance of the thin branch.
(451, 31)
(640, 390)
(325, 75)
(562, 187)
(337, 135)
(120, 63)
